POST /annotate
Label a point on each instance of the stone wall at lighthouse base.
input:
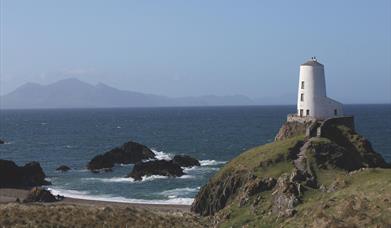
(314, 127)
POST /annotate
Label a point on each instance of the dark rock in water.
(185, 161)
(155, 167)
(101, 162)
(13, 176)
(39, 195)
(63, 168)
(130, 152)
(1, 141)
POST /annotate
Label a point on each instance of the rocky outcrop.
(254, 186)
(1, 141)
(216, 194)
(185, 161)
(13, 176)
(291, 129)
(128, 153)
(357, 148)
(267, 183)
(155, 167)
(39, 195)
(63, 168)
(285, 197)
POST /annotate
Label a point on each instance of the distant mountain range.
(73, 93)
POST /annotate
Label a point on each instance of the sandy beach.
(10, 195)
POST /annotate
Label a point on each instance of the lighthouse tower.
(312, 101)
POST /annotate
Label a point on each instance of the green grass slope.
(338, 181)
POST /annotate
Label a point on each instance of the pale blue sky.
(186, 48)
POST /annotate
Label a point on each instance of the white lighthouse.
(312, 101)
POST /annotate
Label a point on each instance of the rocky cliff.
(333, 180)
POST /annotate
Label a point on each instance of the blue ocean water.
(214, 135)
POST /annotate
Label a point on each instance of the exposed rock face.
(13, 176)
(155, 167)
(215, 195)
(358, 148)
(185, 161)
(259, 185)
(255, 186)
(285, 197)
(63, 168)
(130, 152)
(1, 141)
(39, 195)
(291, 129)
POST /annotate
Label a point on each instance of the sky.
(192, 48)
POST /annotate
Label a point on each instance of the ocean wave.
(199, 169)
(179, 191)
(211, 162)
(110, 180)
(153, 177)
(125, 165)
(186, 177)
(131, 180)
(109, 198)
(50, 179)
(79, 170)
(160, 155)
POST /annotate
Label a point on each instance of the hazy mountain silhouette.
(73, 93)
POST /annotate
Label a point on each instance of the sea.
(214, 135)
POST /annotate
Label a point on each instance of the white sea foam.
(179, 191)
(125, 165)
(129, 179)
(110, 180)
(153, 177)
(160, 155)
(211, 162)
(186, 177)
(109, 198)
(199, 169)
(50, 179)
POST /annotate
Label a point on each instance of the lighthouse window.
(335, 112)
(308, 112)
(302, 97)
(302, 85)
(301, 112)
